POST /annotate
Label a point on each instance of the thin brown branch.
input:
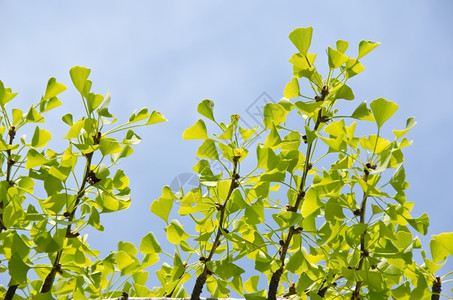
(363, 251)
(56, 266)
(201, 279)
(275, 279)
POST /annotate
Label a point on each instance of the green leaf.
(292, 89)
(40, 138)
(17, 269)
(13, 212)
(74, 131)
(208, 150)
(409, 124)
(109, 146)
(438, 251)
(6, 94)
(301, 38)
(420, 224)
(175, 232)
(366, 47)
(120, 180)
(398, 179)
(196, 131)
(47, 105)
(104, 109)
(19, 246)
(254, 213)
(53, 88)
(274, 175)
(311, 203)
(141, 115)
(33, 116)
(353, 67)
(362, 113)
(445, 240)
(127, 247)
(308, 108)
(123, 260)
(382, 110)
(294, 264)
(79, 76)
(267, 159)
(26, 184)
(224, 268)
(156, 117)
(95, 220)
(227, 133)
(302, 66)
(342, 46)
(274, 114)
(17, 116)
(67, 118)
(35, 159)
(149, 244)
(345, 92)
(162, 206)
(247, 133)
(206, 108)
(336, 58)
(93, 101)
(56, 202)
(251, 285)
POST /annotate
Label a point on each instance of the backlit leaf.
(366, 47)
(79, 76)
(17, 269)
(336, 58)
(53, 88)
(301, 38)
(196, 131)
(292, 89)
(149, 244)
(274, 114)
(206, 109)
(382, 110)
(40, 138)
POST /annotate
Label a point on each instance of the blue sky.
(169, 55)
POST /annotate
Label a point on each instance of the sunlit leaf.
(17, 269)
(196, 131)
(292, 89)
(79, 76)
(366, 47)
(53, 88)
(206, 109)
(336, 58)
(382, 110)
(155, 117)
(40, 138)
(301, 38)
(149, 244)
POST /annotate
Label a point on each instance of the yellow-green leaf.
(292, 89)
(53, 88)
(149, 244)
(79, 76)
(366, 47)
(196, 132)
(301, 38)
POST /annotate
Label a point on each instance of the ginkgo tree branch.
(201, 279)
(284, 244)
